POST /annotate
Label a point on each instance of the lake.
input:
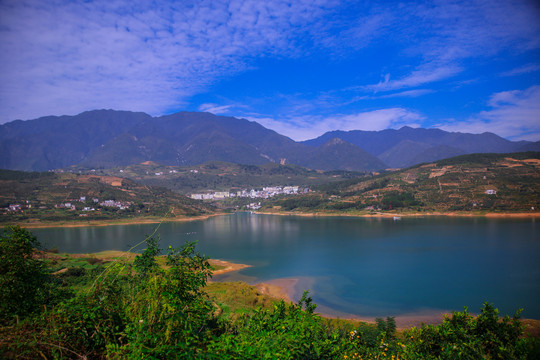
(366, 267)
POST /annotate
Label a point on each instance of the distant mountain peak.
(409, 146)
(109, 138)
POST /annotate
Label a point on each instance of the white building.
(220, 195)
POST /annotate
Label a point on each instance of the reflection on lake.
(362, 266)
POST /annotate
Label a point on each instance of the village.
(74, 204)
(265, 193)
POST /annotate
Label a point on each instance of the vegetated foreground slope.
(139, 309)
(223, 176)
(469, 183)
(64, 196)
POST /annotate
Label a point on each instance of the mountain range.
(109, 138)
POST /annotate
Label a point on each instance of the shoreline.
(284, 289)
(155, 220)
(113, 255)
(227, 266)
(136, 221)
(391, 215)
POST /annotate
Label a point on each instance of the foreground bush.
(287, 332)
(140, 310)
(25, 285)
(463, 336)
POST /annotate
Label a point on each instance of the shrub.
(463, 336)
(286, 332)
(24, 284)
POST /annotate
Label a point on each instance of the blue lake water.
(361, 266)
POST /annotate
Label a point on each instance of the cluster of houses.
(265, 193)
(107, 203)
(18, 207)
(117, 204)
(253, 206)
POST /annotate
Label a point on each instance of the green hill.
(32, 197)
(223, 176)
(467, 183)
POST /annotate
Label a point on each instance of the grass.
(235, 299)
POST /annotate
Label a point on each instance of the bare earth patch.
(278, 288)
(227, 266)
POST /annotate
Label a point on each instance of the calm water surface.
(362, 266)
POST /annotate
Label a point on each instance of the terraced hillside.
(66, 196)
(468, 183)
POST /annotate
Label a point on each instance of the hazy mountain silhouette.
(108, 138)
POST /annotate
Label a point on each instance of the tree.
(146, 262)
(23, 280)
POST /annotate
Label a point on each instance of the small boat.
(397, 218)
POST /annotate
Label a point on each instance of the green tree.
(146, 262)
(169, 314)
(386, 328)
(23, 279)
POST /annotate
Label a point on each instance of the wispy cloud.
(215, 109)
(445, 34)
(526, 69)
(512, 114)
(65, 57)
(308, 127)
(424, 75)
(408, 93)
(74, 56)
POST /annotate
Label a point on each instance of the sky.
(301, 67)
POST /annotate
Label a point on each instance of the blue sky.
(299, 67)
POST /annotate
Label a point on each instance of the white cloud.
(67, 57)
(215, 108)
(474, 28)
(525, 69)
(426, 74)
(440, 36)
(514, 115)
(308, 127)
(408, 93)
